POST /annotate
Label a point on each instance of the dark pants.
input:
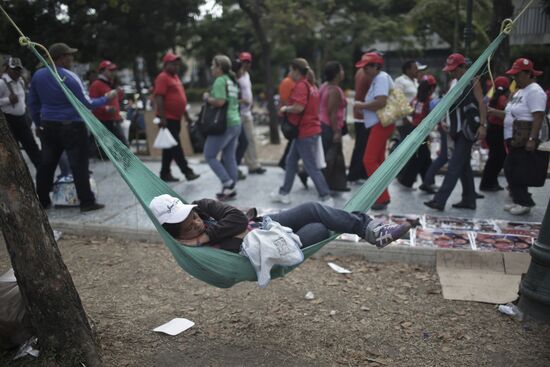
(497, 155)
(356, 168)
(174, 153)
(442, 158)
(459, 168)
(312, 222)
(72, 137)
(115, 129)
(282, 161)
(520, 192)
(23, 134)
(242, 145)
(419, 162)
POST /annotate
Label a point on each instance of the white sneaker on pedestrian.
(507, 207)
(327, 200)
(277, 197)
(520, 210)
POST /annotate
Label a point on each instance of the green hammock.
(224, 269)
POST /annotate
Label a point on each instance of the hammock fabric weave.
(224, 269)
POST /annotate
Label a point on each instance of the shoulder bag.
(290, 131)
(213, 120)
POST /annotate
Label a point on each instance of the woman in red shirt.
(303, 111)
(495, 137)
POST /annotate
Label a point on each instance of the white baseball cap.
(168, 209)
(421, 66)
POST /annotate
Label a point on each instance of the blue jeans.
(459, 168)
(313, 221)
(227, 144)
(305, 148)
(442, 158)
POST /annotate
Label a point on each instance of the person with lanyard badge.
(303, 112)
(523, 118)
(375, 99)
(61, 127)
(224, 90)
(468, 124)
(12, 104)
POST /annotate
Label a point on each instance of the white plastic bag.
(320, 161)
(164, 139)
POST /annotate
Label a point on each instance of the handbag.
(521, 130)
(291, 131)
(471, 121)
(397, 107)
(213, 120)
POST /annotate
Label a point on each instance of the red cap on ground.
(502, 82)
(430, 79)
(454, 61)
(370, 58)
(106, 64)
(169, 57)
(245, 56)
(523, 64)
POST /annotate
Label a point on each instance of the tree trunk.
(500, 61)
(254, 16)
(53, 304)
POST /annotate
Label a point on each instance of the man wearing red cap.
(109, 115)
(468, 123)
(171, 103)
(245, 86)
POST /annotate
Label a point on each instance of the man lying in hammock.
(213, 223)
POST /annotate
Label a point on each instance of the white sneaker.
(327, 200)
(507, 207)
(277, 197)
(520, 210)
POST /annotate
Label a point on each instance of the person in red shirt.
(495, 137)
(357, 170)
(171, 103)
(109, 115)
(303, 111)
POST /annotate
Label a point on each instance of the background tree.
(52, 302)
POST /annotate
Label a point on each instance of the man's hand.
(111, 94)
(14, 99)
(531, 145)
(481, 132)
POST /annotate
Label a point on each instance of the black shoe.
(381, 206)
(426, 188)
(479, 196)
(344, 189)
(190, 176)
(494, 188)
(240, 175)
(91, 207)
(47, 205)
(463, 205)
(434, 205)
(257, 171)
(227, 193)
(168, 178)
(303, 178)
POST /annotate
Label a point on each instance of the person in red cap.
(495, 136)
(523, 119)
(247, 98)
(468, 124)
(109, 115)
(375, 99)
(171, 103)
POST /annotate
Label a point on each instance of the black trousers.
(174, 153)
(356, 169)
(71, 136)
(497, 155)
(22, 133)
(419, 162)
(242, 146)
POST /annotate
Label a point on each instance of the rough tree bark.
(54, 306)
(254, 13)
(502, 9)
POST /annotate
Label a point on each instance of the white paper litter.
(339, 269)
(175, 326)
(310, 295)
(57, 235)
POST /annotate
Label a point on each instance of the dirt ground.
(380, 315)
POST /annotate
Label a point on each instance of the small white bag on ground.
(271, 245)
(164, 139)
(64, 191)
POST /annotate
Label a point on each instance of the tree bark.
(500, 61)
(254, 15)
(53, 304)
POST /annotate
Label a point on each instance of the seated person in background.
(213, 223)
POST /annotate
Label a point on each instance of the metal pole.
(468, 29)
(534, 300)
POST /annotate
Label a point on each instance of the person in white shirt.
(523, 116)
(12, 104)
(251, 154)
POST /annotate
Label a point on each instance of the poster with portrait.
(501, 242)
(519, 228)
(440, 238)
